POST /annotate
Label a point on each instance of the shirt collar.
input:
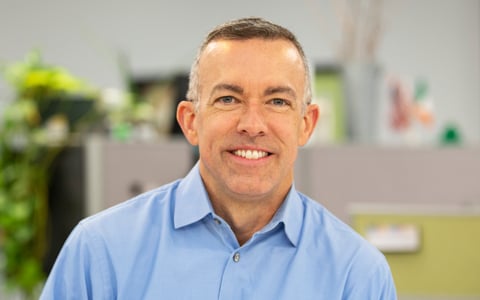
(192, 205)
(290, 214)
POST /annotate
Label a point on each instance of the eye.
(226, 100)
(226, 103)
(279, 102)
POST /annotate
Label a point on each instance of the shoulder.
(362, 268)
(326, 231)
(104, 246)
(323, 222)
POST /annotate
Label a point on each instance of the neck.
(246, 217)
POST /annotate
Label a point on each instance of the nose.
(252, 122)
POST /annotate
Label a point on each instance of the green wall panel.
(447, 261)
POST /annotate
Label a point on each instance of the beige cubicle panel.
(116, 171)
(338, 176)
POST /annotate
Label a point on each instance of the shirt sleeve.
(80, 270)
(378, 286)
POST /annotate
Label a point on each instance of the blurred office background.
(396, 154)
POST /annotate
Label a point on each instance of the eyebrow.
(269, 91)
(280, 90)
(227, 87)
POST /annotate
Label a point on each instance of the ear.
(185, 118)
(310, 119)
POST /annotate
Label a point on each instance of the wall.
(434, 39)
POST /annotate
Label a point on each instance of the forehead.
(251, 61)
(255, 47)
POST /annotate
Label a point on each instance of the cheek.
(209, 130)
(290, 130)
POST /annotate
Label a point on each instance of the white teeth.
(250, 154)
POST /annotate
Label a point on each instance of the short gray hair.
(245, 29)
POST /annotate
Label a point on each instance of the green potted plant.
(34, 128)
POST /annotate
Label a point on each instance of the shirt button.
(217, 221)
(236, 257)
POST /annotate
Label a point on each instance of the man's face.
(249, 121)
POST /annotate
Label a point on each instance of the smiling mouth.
(251, 154)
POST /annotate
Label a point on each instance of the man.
(234, 227)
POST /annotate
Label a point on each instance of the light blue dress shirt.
(169, 244)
